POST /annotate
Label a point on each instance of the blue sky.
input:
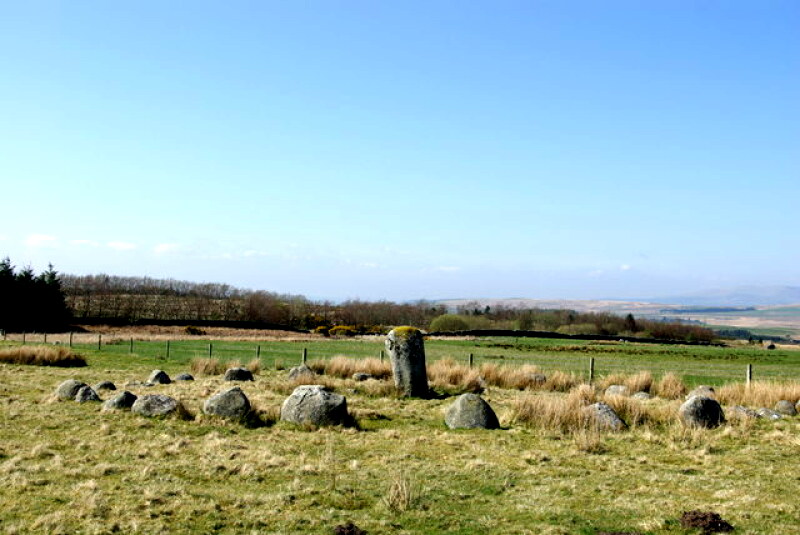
(405, 150)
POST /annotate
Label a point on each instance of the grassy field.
(69, 468)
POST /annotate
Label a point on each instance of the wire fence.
(280, 354)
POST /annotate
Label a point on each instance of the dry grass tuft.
(759, 393)
(207, 366)
(554, 412)
(254, 366)
(42, 356)
(670, 386)
(638, 382)
(447, 372)
(345, 367)
(401, 495)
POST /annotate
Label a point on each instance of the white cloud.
(90, 243)
(624, 267)
(121, 245)
(163, 248)
(40, 240)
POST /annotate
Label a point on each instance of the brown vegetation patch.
(345, 367)
(709, 522)
(42, 356)
(758, 393)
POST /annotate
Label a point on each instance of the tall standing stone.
(406, 350)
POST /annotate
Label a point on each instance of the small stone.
(701, 411)
(537, 379)
(238, 374)
(122, 401)
(605, 418)
(300, 371)
(769, 414)
(185, 377)
(85, 394)
(644, 396)
(159, 377)
(104, 385)
(360, 376)
(744, 411)
(231, 404)
(617, 390)
(470, 411)
(155, 405)
(786, 408)
(314, 405)
(68, 389)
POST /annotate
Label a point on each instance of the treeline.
(116, 299)
(31, 302)
(141, 299)
(471, 316)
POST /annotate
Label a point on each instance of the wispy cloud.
(164, 248)
(40, 240)
(121, 245)
(89, 243)
(625, 267)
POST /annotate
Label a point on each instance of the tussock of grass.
(446, 372)
(670, 386)
(555, 412)
(637, 382)
(758, 393)
(207, 366)
(345, 367)
(42, 356)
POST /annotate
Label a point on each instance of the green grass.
(67, 468)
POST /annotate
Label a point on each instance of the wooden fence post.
(305, 355)
(167, 349)
(258, 351)
(99, 341)
(130, 349)
(591, 370)
(70, 339)
(210, 349)
(381, 356)
(749, 374)
(471, 359)
(23, 338)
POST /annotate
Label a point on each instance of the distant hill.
(743, 296)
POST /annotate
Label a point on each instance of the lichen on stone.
(405, 331)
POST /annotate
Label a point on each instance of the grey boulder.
(701, 411)
(104, 385)
(786, 408)
(703, 391)
(314, 405)
(122, 401)
(769, 414)
(159, 377)
(617, 390)
(231, 404)
(155, 405)
(361, 376)
(470, 411)
(69, 389)
(86, 393)
(301, 371)
(644, 396)
(604, 417)
(185, 377)
(238, 374)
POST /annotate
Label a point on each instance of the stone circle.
(238, 374)
(152, 405)
(231, 404)
(701, 411)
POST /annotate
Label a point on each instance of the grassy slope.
(69, 468)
